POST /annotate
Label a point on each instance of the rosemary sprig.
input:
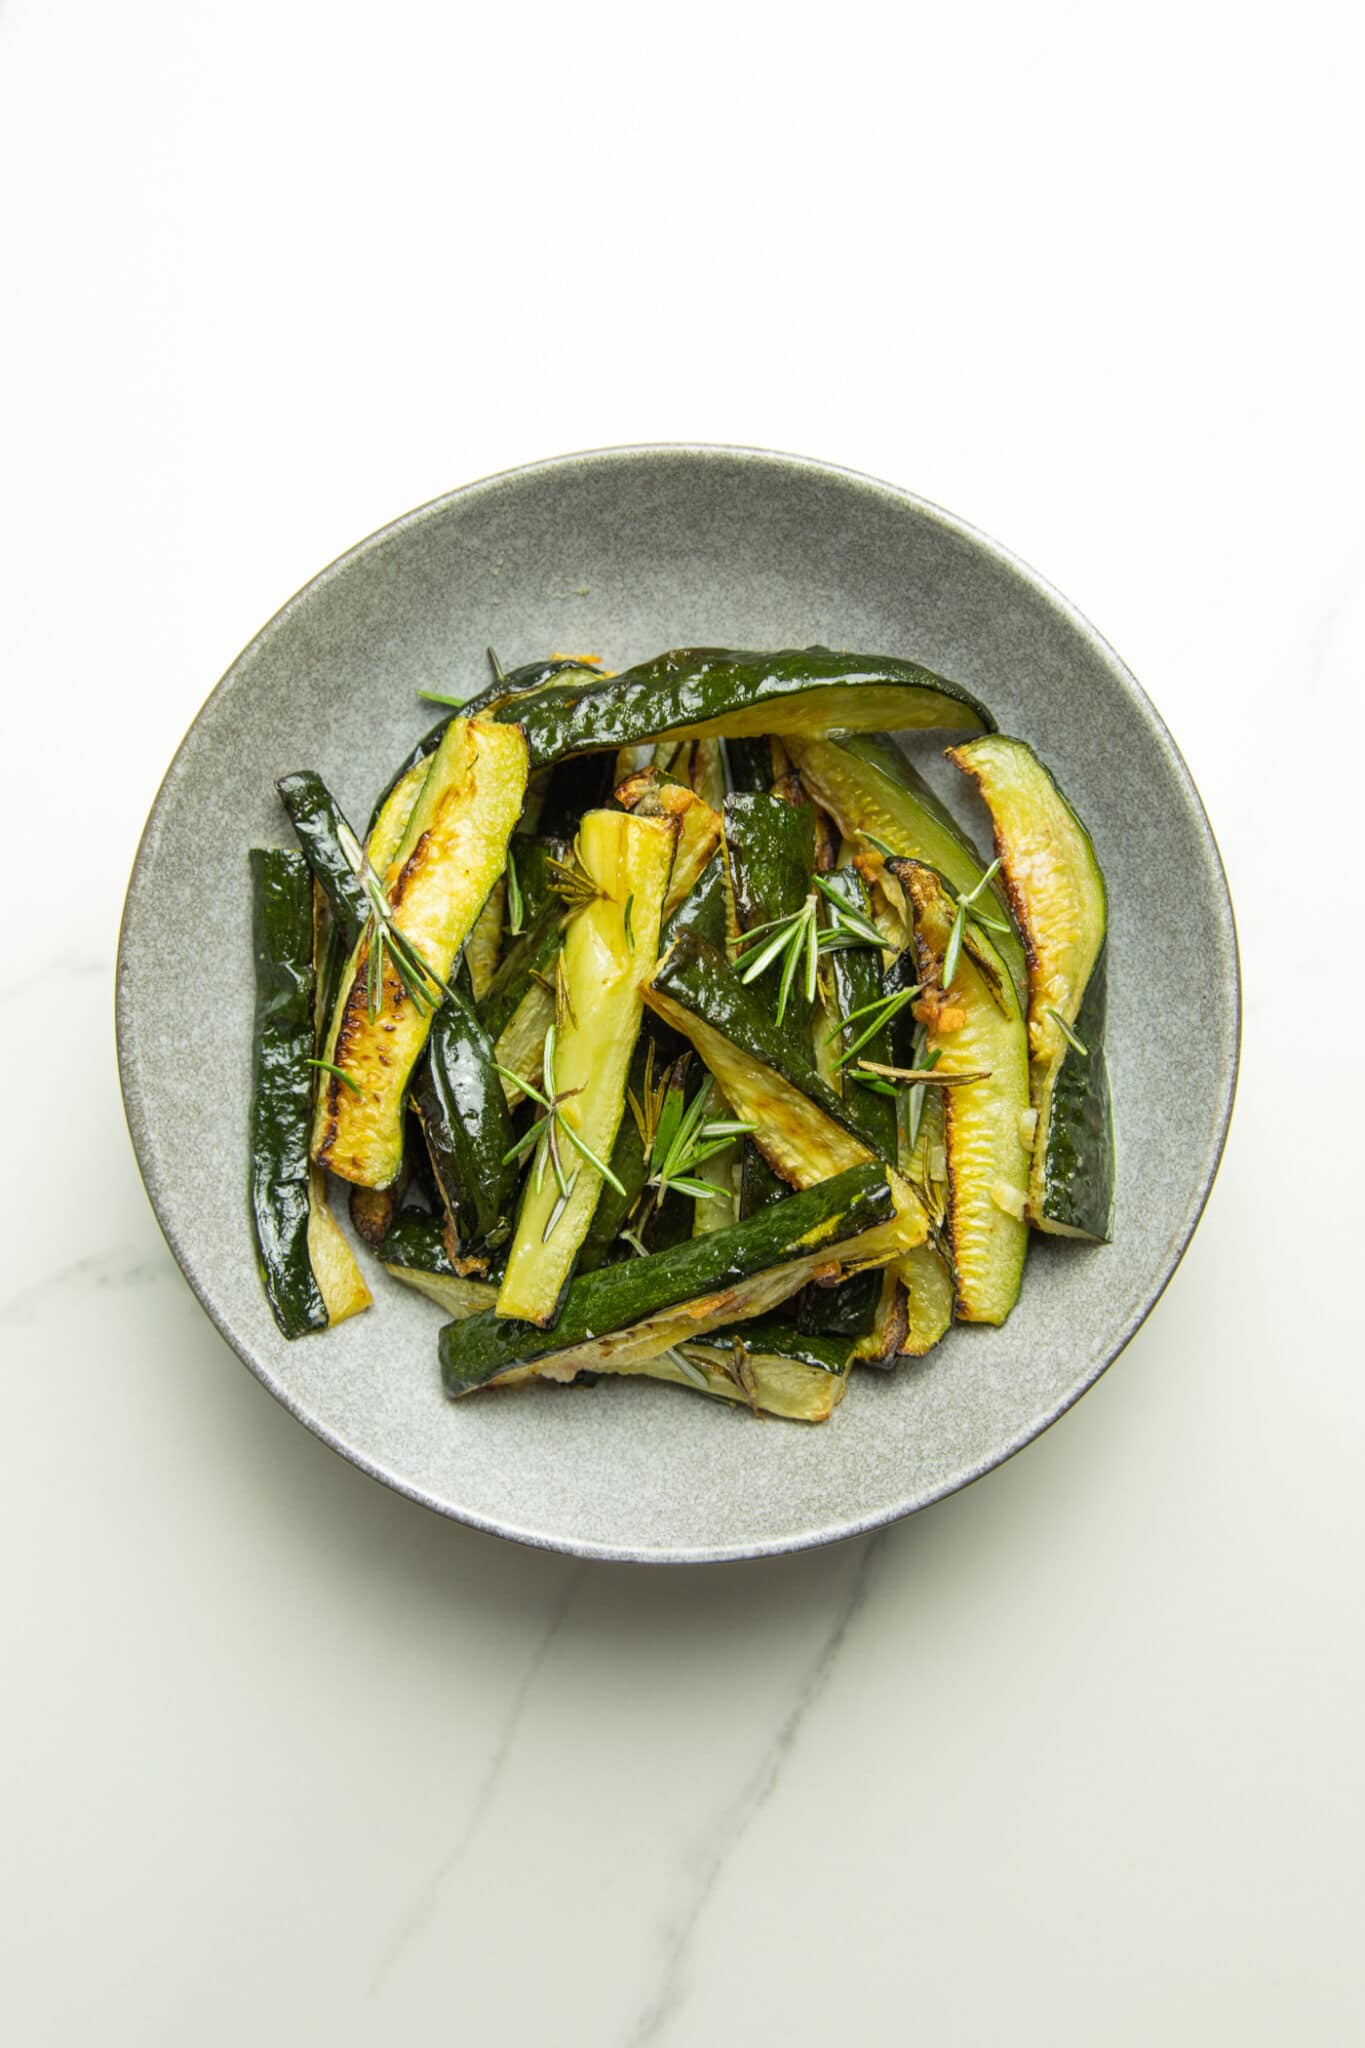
(880, 1012)
(953, 951)
(916, 1098)
(421, 983)
(685, 1366)
(499, 672)
(795, 941)
(886, 852)
(913, 1076)
(684, 1139)
(547, 1131)
(571, 881)
(516, 907)
(849, 926)
(1069, 1035)
(340, 1072)
(630, 935)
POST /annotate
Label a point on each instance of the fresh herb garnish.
(953, 951)
(422, 984)
(516, 908)
(547, 1131)
(1068, 1034)
(678, 1137)
(571, 881)
(880, 1012)
(340, 1072)
(630, 935)
(798, 941)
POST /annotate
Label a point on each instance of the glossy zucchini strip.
(803, 1129)
(1057, 888)
(856, 985)
(976, 1025)
(769, 1366)
(290, 1230)
(610, 947)
(697, 691)
(321, 825)
(414, 1251)
(620, 1315)
(450, 855)
(459, 1097)
(874, 794)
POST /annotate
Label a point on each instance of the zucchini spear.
(311, 1279)
(974, 1026)
(450, 855)
(620, 878)
(1057, 888)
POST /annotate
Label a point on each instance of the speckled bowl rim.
(814, 1537)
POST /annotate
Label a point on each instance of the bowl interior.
(622, 553)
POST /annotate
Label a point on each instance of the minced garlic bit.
(1009, 1199)
(1028, 1128)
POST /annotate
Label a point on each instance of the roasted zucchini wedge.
(450, 855)
(458, 1094)
(697, 691)
(414, 1251)
(861, 1027)
(768, 1366)
(310, 1276)
(803, 1129)
(617, 1317)
(878, 799)
(610, 948)
(975, 1026)
(1057, 888)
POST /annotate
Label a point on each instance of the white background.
(1074, 1758)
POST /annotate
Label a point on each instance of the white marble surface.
(1074, 1758)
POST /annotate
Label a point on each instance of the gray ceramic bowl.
(624, 552)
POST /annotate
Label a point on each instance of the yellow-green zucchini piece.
(1057, 889)
(451, 853)
(926, 1272)
(975, 1026)
(649, 795)
(610, 948)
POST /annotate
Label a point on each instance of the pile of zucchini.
(666, 1023)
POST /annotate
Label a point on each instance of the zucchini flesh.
(769, 1365)
(869, 788)
(451, 853)
(803, 1129)
(484, 944)
(883, 1342)
(623, 1314)
(459, 1097)
(610, 948)
(925, 1272)
(698, 691)
(976, 1025)
(303, 1296)
(699, 827)
(1057, 888)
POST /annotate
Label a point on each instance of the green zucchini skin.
(460, 1099)
(770, 846)
(423, 751)
(1078, 1157)
(614, 1298)
(282, 1097)
(748, 765)
(702, 909)
(856, 976)
(533, 853)
(317, 817)
(694, 691)
(697, 977)
(848, 1310)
